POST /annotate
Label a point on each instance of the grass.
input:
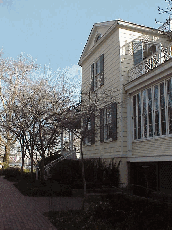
(115, 212)
(28, 186)
(77, 219)
(43, 189)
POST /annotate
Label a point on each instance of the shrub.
(12, 173)
(49, 159)
(39, 189)
(66, 171)
(126, 212)
(97, 173)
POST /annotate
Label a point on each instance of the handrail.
(150, 63)
(48, 166)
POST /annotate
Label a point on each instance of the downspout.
(129, 126)
(121, 87)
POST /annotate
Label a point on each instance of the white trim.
(130, 125)
(113, 25)
(152, 87)
(150, 158)
(155, 75)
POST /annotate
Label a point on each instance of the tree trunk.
(7, 152)
(42, 167)
(23, 153)
(83, 175)
(31, 158)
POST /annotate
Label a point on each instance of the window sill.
(163, 136)
(154, 138)
(107, 141)
(145, 139)
(88, 144)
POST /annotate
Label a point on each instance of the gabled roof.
(110, 25)
(107, 24)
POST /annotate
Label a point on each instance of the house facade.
(126, 71)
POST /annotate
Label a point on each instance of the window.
(137, 52)
(137, 115)
(142, 50)
(108, 123)
(152, 111)
(98, 37)
(156, 110)
(89, 130)
(148, 50)
(97, 73)
(144, 113)
(162, 108)
(169, 102)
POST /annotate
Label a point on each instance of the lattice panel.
(166, 175)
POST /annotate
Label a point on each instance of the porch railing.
(64, 156)
(150, 63)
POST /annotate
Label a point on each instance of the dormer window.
(98, 37)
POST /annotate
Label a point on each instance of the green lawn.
(47, 188)
(116, 212)
(77, 220)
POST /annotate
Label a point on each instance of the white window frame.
(153, 113)
(97, 82)
(107, 123)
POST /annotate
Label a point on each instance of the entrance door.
(144, 177)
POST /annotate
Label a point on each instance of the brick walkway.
(26, 213)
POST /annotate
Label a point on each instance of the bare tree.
(166, 26)
(12, 73)
(84, 119)
(38, 112)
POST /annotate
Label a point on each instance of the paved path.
(26, 213)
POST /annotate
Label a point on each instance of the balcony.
(150, 63)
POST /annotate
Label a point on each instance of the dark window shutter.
(114, 121)
(92, 134)
(102, 69)
(137, 52)
(92, 77)
(96, 68)
(101, 125)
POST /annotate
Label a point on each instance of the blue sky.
(54, 32)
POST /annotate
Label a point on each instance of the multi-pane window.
(169, 103)
(108, 122)
(152, 111)
(139, 114)
(142, 50)
(156, 109)
(135, 117)
(97, 73)
(89, 129)
(150, 126)
(144, 113)
(162, 106)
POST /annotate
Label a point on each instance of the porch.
(148, 64)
